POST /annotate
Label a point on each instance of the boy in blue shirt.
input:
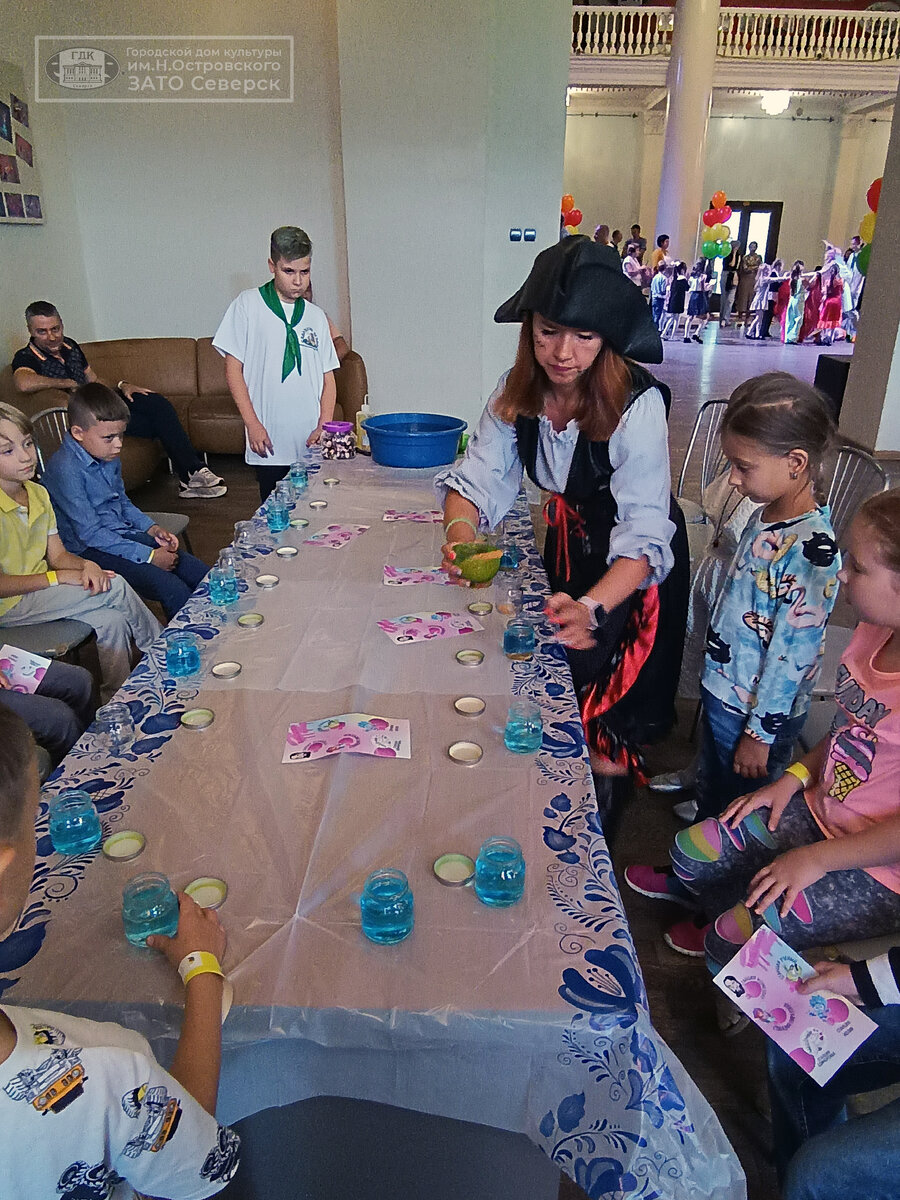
(658, 285)
(85, 1108)
(96, 518)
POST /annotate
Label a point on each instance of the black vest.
(587, 491)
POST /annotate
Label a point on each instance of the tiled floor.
(729, 1072)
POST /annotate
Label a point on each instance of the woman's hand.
(789, 874)
(751, 758)
(573, 621)
(774, 796)
(836, 977)
(448, 562)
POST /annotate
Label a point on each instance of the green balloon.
(724, 249)
(862, 259)
(710, 249)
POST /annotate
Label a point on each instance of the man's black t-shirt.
(73, 365)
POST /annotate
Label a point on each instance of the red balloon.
(725, 213)
(873, 195)
(575, 217)
(567, 217)
(710, 218)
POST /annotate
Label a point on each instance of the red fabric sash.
(597, 699)
(558, 513)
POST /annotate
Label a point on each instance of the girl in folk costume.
(760, 301)
(831, 314)
(588, 424)
(698, 301)
(792, 318)
(812, 305)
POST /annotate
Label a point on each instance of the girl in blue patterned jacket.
(764, 641)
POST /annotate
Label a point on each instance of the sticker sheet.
(349, 733)
(334, 537)
(426, 516)
(819, 1031)
(426, 626)
(403, 576)
(23, 670)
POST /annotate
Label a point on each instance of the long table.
(532, 1019)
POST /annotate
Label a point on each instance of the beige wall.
(418, 135)
(452, 131)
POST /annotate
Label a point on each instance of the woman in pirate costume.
(589, 425)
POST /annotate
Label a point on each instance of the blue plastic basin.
(406, 439)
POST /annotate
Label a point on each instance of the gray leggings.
(716, 864)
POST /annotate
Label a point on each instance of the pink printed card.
(425, 626)
(349, 733)
(819, 1031)
(24, 671)
(403, 576)
(334, 537)
(426, 516)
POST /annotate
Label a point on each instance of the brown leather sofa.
(191, 374)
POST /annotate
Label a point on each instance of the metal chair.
(50, 427)
(705, 433)
(856, 477)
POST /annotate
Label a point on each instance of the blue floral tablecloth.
(536, 1020)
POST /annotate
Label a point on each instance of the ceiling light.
(774, 103)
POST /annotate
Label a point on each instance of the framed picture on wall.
(20, 181)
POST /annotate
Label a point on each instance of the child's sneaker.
(687, 937)
(649, 881)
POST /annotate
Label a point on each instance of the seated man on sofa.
(61, 361)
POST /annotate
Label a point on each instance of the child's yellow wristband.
(199, 962)
(52, 580)
(800, 773)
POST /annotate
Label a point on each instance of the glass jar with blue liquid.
(149, 906)
(524, 730)
(223, 588)
(182, 654)
(500, 872)
(74, 824)
(278, 516)
(299, 476)
(386, 907)
(518, 641)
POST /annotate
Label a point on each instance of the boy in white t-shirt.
(85, 1109)
(279, 361)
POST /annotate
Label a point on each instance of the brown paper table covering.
(532, 1018)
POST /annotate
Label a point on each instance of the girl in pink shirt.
(816, 855)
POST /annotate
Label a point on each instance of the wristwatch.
(598, 613)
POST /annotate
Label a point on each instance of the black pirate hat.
(575, 284)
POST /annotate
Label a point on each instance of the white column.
(653, 128)
(871, 410)
(690, 83)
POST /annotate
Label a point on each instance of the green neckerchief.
(272, 300)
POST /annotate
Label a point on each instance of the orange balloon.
(719, 199)
(568, 202)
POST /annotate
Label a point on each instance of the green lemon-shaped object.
(478, 562)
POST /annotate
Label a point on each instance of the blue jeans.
(170, 588)
(59, 711)
(152, 416)
(657, 308)
(825, 1156)
(722, 728)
